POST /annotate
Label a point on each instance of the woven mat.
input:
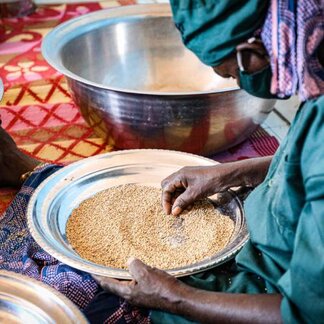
(37, 109)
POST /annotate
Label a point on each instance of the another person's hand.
(150, 287)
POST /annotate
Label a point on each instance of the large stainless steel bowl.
(139, 87)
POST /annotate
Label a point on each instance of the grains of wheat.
(128, 220)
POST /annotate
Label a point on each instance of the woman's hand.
(182, 188)
(150, 287)
(155, 289)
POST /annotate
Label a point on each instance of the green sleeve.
(303, 284)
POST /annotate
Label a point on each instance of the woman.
(275, 276)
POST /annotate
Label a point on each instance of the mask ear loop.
(239, 56)
(239, 59)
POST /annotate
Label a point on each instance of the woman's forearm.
(250, 172)
(155, 289)
(202, 182)
(212, 307)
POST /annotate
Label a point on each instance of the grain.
(128, 220)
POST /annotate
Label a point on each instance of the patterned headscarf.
(212, 29)
(292, 33)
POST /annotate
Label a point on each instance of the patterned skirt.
(21, 254)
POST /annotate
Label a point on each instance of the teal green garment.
(224, 278)
(257, 84)
(285, 216)
(212, 29)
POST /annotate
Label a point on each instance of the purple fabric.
(20, 253)
(292, 32)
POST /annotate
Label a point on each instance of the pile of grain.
(128, 220)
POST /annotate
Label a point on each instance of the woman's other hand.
(150, 287)
(155, 289)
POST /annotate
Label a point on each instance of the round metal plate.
(52, 203)
(25, 300)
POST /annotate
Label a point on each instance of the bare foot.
(13, 162)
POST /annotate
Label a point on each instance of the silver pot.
(139, 87)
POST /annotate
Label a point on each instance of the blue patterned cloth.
(20, 253)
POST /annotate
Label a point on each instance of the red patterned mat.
(37, 109)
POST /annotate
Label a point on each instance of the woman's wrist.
(249, 173)
(210, 307)
(179, 298)
(255, 171)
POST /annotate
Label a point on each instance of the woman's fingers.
(170, 191)
(183, 201)
(137, 268)
(167, 201)
(148, 287)
(117, 287)
(177, 196)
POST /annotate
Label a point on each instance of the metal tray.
(26, 300)
(53, 201)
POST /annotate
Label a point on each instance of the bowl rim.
(58, 37)
(24, 290)
(1, 89)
